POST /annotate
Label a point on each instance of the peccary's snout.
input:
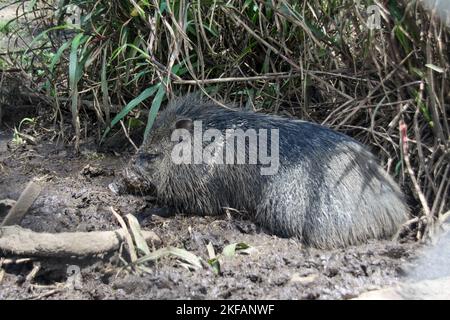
(136, 178)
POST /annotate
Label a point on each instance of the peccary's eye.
(146, 158)
(184, 124)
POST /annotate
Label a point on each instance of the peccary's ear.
(187, 124)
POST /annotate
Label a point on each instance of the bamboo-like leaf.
(75, 71)
(434, 67)
(230, 250)
(185, 255)
(139, 240)
(73, 61)
(156, 104)
(131, 105)
(57, 57)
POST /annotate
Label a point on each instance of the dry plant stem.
(16, 261)
(36, 268)
(442, 192)
(44, 295)
(127, 235)
(125, 131)
(412, 175)
(261, 40)
(364, 101)
(2, 271)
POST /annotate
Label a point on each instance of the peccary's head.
(172, 171)
(152, 165)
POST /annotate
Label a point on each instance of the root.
(20, 241)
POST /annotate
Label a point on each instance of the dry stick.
(26, 199)
(264, 42)
(297, 67)
(125, 131)
(33, 272)
(136, 231)
(443, 202)
(418, 136)
(28, 138)
(85, 103)
(105, 94)
(239, 79)
(9, 4)
(421, 196)
(267, 76)
(191, 71)
(44, 295)
(202, 29)
(21, 52)
(437, 128)
(437, 199)
(364, 101)
(24, 242)
(13, 70)
(271, 76)
(15, 261)
(127, 236)
(404, 226)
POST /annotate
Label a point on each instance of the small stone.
(304, 280)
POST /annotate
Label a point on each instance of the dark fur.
(329, 191)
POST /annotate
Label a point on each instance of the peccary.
(328, 191)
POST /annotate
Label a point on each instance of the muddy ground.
(76, 197)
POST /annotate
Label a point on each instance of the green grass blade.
(73, 60)
(104, 88)
(57, 57)
(156, 104)
(130, 106)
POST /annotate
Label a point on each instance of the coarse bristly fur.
(329, 190)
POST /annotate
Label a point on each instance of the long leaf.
(73, 83)
(104, 88)
(156, 104)
(185, 255)
(57, 57)
(73, 61)
(130, 106)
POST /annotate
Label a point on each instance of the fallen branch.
(26, 200)
(20, 241)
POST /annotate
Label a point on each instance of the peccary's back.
(329, 190)
(345, 196)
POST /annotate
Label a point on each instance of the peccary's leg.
(163, 212)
